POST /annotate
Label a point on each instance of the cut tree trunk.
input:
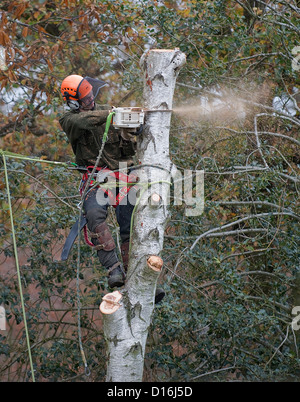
(127, 315)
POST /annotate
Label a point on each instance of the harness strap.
(117, 264)
(115, 201)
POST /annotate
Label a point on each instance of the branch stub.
(110, 302)
(155, 199)
(154, 262)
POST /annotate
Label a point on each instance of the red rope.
(88, 242)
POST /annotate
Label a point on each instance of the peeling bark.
(126, 329)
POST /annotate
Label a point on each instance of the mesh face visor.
(96, 84)
(88, 100)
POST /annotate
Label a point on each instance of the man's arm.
(73, 123)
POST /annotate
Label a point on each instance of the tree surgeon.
(84, 126)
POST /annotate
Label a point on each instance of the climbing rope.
(28, 158)
(86, 189)
(17, 265)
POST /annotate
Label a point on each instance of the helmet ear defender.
(73, 104)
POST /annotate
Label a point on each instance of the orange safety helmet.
(73, 89)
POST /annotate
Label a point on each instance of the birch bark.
(126, 329)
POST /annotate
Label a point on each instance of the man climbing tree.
(127, 313)
(85, 125)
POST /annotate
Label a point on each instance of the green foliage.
(41, 224)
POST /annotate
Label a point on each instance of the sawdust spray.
(221, 106)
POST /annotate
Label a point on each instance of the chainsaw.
(131, 118)
(128, 117)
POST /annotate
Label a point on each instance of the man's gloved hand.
(128, 134)
(139, 130)
(133, 131)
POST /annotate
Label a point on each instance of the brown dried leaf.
(20, 10)
(25, 32)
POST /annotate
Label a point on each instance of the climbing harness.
(103, 174)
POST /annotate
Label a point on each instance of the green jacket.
(85, 131)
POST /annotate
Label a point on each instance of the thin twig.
(242, 220)
(276, 351)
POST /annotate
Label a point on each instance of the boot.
(105, 246)
(159, 295)
(116, 276)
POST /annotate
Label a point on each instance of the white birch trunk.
(126, 329)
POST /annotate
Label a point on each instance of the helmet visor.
(96, 84)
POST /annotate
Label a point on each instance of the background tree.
(231, 273)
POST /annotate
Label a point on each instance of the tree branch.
(267, 214)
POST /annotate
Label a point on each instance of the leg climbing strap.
(104, 240)
(117, 264)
